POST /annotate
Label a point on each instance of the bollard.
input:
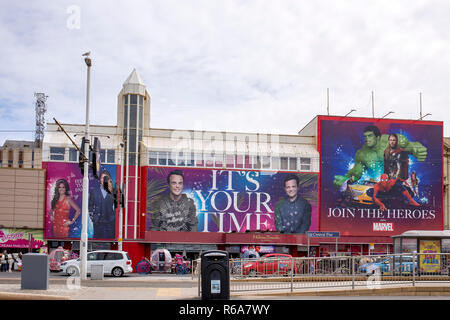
(97, 272)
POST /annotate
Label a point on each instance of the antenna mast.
(41, 108)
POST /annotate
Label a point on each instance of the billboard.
(216, 200)
(20, 238)
(64, 193)
(430, 259)
(380, 177)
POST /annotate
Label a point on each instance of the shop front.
(21, 240)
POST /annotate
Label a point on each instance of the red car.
(272, 263)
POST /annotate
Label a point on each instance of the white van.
(114, 262)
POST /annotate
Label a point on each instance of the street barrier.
(374, 271)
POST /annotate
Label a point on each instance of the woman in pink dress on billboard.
(61, 205)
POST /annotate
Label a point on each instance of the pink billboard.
(64, 193)
(20, 238)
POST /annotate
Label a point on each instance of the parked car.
(116, 263)
(362, 192)
(272, 263)
(385, 265)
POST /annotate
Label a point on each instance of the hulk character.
(371, 155)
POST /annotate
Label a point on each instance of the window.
(276, 163)
(162, 158)
(199, 159)
(191, 159)
(57, 153)
(284, 163)
(113, 256)
(248, 162)
(92, 256)
(218, 160)
(10, 158)
(152, 158)
(209, 159)
(181, 159)
(305, 164)
(239, 163)
(266, 162)
(107, 155)
(293, 164)
(111, 156)
(73, 155)
(20, 159)
(171, 161)
(1, 157)
(256, 162)
(229, 161)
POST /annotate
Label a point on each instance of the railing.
(331, 272)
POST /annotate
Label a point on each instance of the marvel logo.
(383, 226)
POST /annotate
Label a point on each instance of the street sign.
(323, 234)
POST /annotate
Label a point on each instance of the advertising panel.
(19, 238)
(215, 200)
(380, 177)
(64, 186)
(429, 260)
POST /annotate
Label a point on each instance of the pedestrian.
(10, 262)
(3, 261)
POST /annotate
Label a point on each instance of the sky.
(245, 66)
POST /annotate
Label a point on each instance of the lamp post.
(421, 117)
(84, 213)
(387, 114)
(350, 112)
(122, 162)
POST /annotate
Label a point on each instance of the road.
(165, 287)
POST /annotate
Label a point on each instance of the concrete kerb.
(30, 296)
(396, 291)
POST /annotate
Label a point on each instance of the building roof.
(18, 144)
(134, 78)
(424, 234)
(134, 84)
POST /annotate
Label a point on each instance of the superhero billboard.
(380, 177)
(216, 200)
(64, 193)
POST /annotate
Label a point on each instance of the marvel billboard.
(64, 189)
(380, 177)
(216, 200)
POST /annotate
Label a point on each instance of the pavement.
(184, 287)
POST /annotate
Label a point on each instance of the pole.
(373, 106)
(120, 206)
(84, 213)
(353, 273)
(420, 103)
(30, 242)
(328, 101)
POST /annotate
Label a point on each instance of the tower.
(40, 108)
(133, 121)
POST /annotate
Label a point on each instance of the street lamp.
(387, 114)
(122, 161)
(428, 114)
(350, 112)
(84, 213)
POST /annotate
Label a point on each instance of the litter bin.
(97, 272)
(215, 275)
(35, 271)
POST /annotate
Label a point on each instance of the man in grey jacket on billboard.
(175, 211)
(292, 214)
